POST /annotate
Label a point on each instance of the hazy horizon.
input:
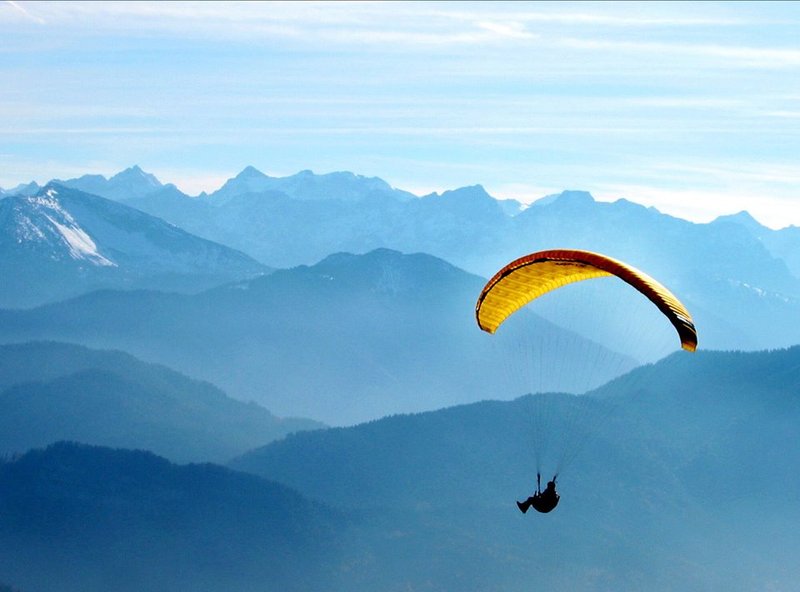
(688, 107)
(530, 201)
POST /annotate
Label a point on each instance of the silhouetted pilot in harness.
(541, 501)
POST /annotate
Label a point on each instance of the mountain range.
(55, 391)
(684, 480)
(740, 279)
(353, 338)
(61, 242)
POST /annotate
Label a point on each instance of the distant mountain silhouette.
(740, 279)
(128, 184)
(24, 189)
(690, 462)
(353, 338)
(79, 518)
(306, 186)
(783, 244)
(54, 391)
(302, 218)
(62, 242)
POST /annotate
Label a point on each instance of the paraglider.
(531, 276)
(541, 501)
(527, 278)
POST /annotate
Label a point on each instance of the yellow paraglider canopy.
(528, 277)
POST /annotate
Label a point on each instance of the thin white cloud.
(782, 114)
(89, 130)
(603, 15)
(627, 21)
(18, 7)
(395, 23)
(511, 30)
(468, 133)
(678, 102)
(59, 107)
(745, 56)
(738, 173)
(338, 22)
(362, 14)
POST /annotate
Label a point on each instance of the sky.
(693, 108)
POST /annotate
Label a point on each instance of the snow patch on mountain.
(27, 230)
(79, 243)
(762, 293)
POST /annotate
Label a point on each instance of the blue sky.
(693, 108)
